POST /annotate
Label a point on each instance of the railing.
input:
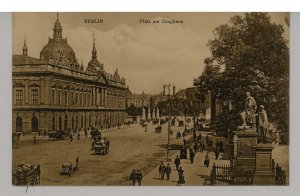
(280, 176)
(225, 175)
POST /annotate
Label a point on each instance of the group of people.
(179, 135)
(136, 176)
(166, 170)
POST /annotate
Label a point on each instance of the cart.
(26, 174)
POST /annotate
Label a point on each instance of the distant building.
(139, 100)
(54, 92)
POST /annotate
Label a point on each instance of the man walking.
(192, 155)
(168, 171)
(181, 176)
(177, 162)
(139, 177)
(161, 171)
(132, 177)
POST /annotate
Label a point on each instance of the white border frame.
(5, 135)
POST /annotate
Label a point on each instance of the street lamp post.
(169, 123)
(185, 115)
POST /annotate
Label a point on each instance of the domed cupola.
(94, 66)
(57, 50)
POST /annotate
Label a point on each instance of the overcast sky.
(147, 55)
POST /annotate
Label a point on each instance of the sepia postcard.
(150, 99)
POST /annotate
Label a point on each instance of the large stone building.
(139, 100)
(55, 92)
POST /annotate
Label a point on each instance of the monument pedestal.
(246, 145)
(263, 172)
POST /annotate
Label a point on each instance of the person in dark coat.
(177, 162)
(162, 170)
(139, 177)
(168, 171)
(132, 177)
(192, 155)
(206, 161)
(181, 176)
(217, 154)
(196, 147)
(77, 162)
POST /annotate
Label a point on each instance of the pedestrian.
(206, 161)
(196, 147)
(179, 135)
(85, 133)
(177, 162)
(168, 171)
(183, 134)
(77, 162)
(34, 139)
(192, 155)
(199, 137)
(181, 176)
(139, 177)
(161, 171)
(71, 137)
(146, 128)
(78, 135)
(217, 154)
(184, 142)
(132, 177)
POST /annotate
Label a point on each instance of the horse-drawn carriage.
(101, 147)
(158, 129)
(180, 123)
(58, 135)
(26, 174)
(67, 168)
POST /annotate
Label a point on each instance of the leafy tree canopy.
(253, 56)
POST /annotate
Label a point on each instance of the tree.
(133, 111)
(255, 58)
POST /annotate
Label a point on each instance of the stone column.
(264, 174)
(93, 96)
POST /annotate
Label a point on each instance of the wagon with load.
(26, 174)
(101, 147)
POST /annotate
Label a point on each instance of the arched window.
(19, 124)
(34, 123)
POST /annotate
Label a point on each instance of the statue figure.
(144, 113)
(249, 116)
(263, 123)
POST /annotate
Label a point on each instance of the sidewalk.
(194, 174)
